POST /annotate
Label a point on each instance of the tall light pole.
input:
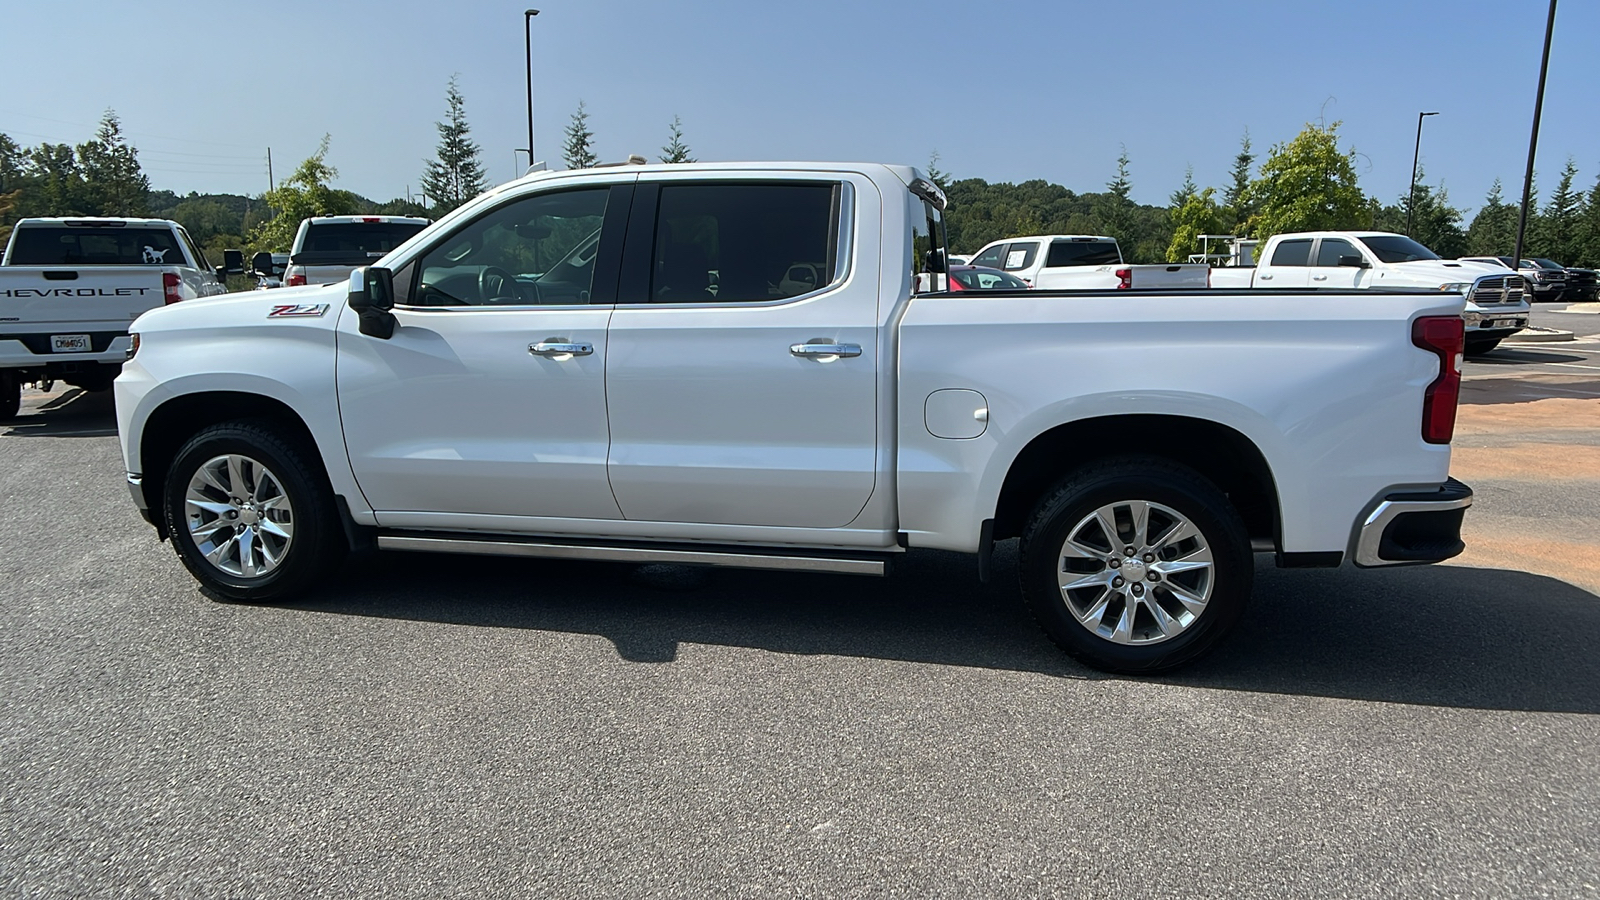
(527, 35)
(1411, 201)
(1533, 141)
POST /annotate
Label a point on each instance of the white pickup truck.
(1084, 262)
(614, 364)
(1497, 303)
(327, 249)
(69, 288)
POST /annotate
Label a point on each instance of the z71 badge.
(295, 310)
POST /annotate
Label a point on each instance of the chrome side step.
(685, 556)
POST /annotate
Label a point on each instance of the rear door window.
(741, 243)
(1292, 253)
(1082, 253)
(1020, 255)
(72, 245)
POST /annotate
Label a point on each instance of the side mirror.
(233, 262)
(260, 264)
(1354, 262)
(372, 296)
(935, 261)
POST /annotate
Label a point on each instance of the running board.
(843, 565)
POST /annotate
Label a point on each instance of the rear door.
(1289, 265)
(742, 367)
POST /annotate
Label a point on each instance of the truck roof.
(906, 174)
(94, 221)
(386, 220)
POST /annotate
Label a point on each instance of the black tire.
(317, 543)
(1480, 347)
(1065, 511)
(10, 395)
(94, 383)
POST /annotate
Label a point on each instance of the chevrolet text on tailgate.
(732, 364)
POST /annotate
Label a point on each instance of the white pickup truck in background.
(667, 392)
(327, 249)
(1497, 303)
(69, 288)
(1084, 262)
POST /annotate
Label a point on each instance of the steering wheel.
(507, 287)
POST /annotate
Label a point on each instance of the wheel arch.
(180, 418)
(1222, 454)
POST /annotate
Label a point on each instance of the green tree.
(304, 194)
(1233, 198)
(935, 174)
(455, 174)
(579, 148)
(1493, 231)
(1556, 235)
(1435, 224)
(1307, 184)
(1198, 214)
(1116, 214)
(676, 151)
(57, 187)
(1589, 252)
(1185, 191)
(114, 185)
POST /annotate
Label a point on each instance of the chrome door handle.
(558, 347)
(812, 351)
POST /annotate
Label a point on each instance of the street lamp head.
(1429, 114)
(530, 13)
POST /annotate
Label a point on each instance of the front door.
(742, 369)
(487, 406)
(1326, 271)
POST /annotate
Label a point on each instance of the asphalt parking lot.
(437, 727)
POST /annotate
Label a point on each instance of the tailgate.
(1185, 275)
(36, 299)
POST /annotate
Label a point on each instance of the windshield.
(1548, 263)
(987, 279)
(1394, 248)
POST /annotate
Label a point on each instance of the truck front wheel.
(10, 395)
(250, 515)
(1480, 346)
(1136, 565)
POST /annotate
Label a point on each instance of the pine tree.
(455, 175)
(1556, 235)
(1494, 229)
(1241, 174)
(579, 149)
(677, 151)
(1185, 191)
(114, 185)
(935, 174)
(1116, 214)
(1589, 252)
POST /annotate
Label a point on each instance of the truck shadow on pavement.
(1438, 636)
(73, 414)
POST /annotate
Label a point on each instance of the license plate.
(69, 343)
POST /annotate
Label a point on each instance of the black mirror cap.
(260, 264)
(371, 288)
(233, 262)
(1354, 262)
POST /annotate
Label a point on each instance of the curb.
(1536, 335)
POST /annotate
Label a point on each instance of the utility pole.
(1411, 200)
(527, 34)
(271, 184)
(1533, 140)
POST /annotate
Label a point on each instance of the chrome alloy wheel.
(239, 516)
(1136, 572)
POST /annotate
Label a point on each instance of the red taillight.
(295, 279)
(1445, 336)
(169, 287)
(371, 219)
(1124, 279)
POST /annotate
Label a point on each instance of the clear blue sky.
(1025, 89)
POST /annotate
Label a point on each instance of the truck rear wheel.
(250, 515)
(10, 394)
(1136, 565)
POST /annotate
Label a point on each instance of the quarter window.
(1292, 253)
(537, 250)
(1020, 255)
(991, 257)
(733, 243)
